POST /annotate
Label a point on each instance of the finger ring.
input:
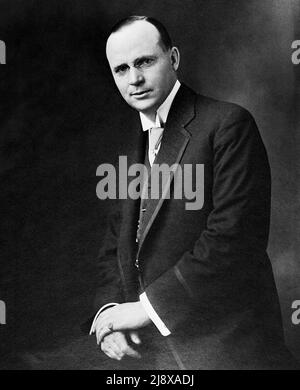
(110, 326)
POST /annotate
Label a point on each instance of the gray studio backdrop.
(61, 117)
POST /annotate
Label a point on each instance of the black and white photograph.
(149, 167)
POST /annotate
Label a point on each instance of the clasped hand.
(111, 325)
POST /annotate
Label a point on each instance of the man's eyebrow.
(135, 62)
(144, 57)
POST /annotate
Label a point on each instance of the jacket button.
(137, 263)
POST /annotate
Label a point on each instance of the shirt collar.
(162, 112)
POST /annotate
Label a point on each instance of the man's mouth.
(139, 94)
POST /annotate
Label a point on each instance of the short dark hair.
(164, 35)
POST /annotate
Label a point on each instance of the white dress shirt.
(162, 112)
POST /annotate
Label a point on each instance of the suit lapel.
(174, 142)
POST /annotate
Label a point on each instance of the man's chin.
(143, 107)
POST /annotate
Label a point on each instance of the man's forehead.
(136, 39)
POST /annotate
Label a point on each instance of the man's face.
(143, 71)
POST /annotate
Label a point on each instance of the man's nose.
(135, 77)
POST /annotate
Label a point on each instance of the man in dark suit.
(187, 287)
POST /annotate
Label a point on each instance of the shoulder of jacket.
(220, 109)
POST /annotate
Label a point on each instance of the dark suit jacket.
(206, 272)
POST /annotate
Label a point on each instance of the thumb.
(134, 337)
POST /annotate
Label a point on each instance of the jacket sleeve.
(219, 273)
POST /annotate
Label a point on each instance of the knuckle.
(105, 346)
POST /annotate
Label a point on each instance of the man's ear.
(175, 57)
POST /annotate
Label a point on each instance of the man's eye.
(121, 70)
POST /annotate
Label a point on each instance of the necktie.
(155, 136)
